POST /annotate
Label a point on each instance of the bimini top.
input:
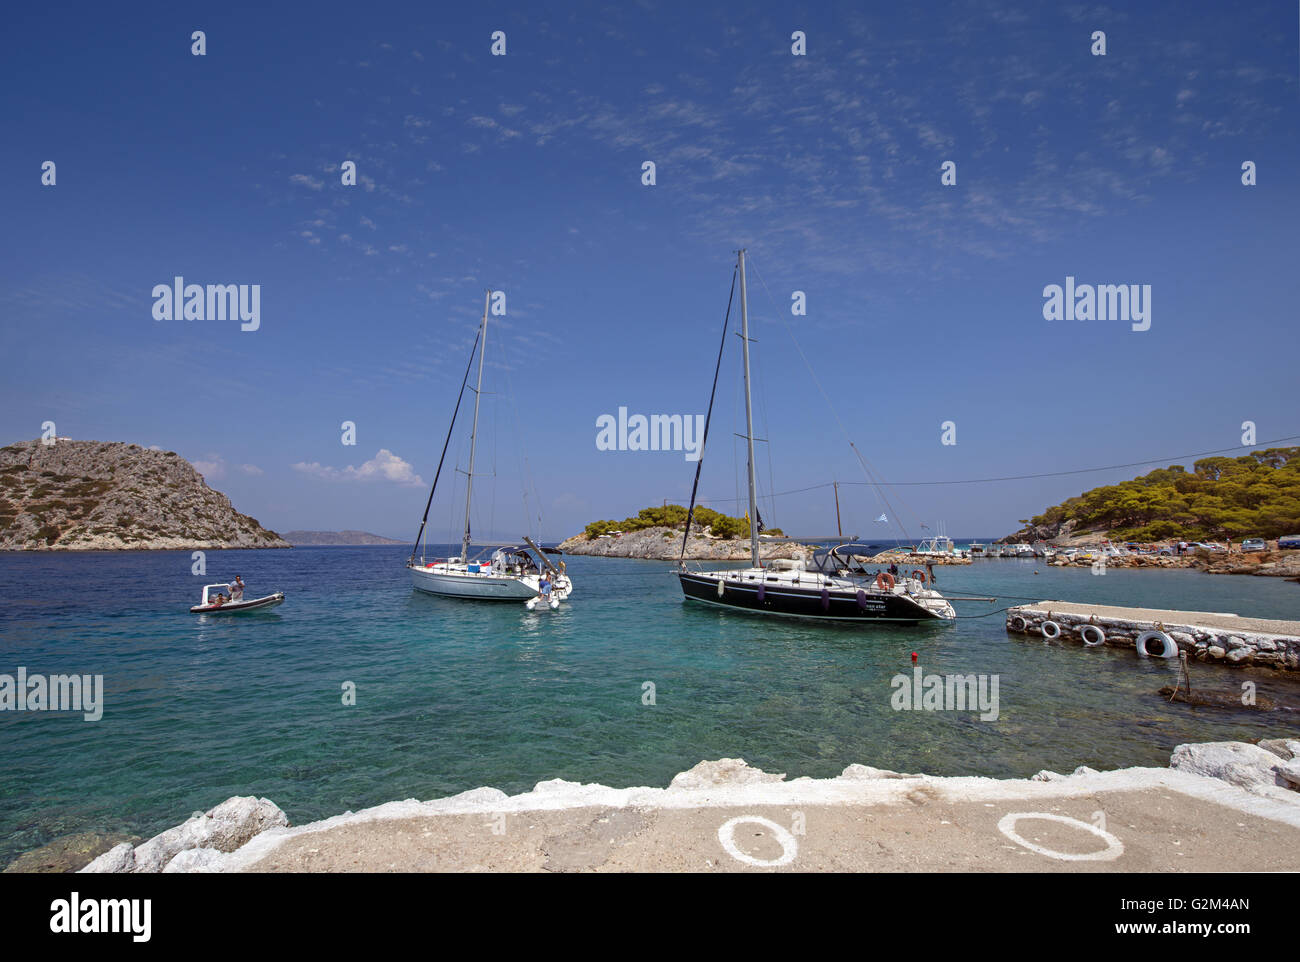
(525, 549)
(854, 548)
(519, 549)
(829, 559)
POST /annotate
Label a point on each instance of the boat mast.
(749, 416)
(839, 529)
(473, 437)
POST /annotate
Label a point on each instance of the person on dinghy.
(237, 589)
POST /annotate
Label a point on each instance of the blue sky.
(523, 173)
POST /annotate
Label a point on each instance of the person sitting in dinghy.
(544, 588)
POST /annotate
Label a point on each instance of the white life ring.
(1055, 631)
(1017, 623)
(1086, 630)
(1167, 647)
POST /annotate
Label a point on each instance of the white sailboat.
(509, 573)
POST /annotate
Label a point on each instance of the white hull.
(235, 607)
(457, 581)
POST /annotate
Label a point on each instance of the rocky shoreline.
(252, 834)
(662, 543)
(1270, 564)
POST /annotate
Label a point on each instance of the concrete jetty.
(1221, 807)
(1210, 636)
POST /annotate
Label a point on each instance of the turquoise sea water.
(452, 695)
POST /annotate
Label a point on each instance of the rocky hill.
(93, 495)
(665, 544)
(337, 538)
(1253, 496)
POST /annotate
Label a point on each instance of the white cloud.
(384, 466)
(250, 469)
(212, 467)
(306, 180)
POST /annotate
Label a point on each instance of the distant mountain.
(94, 495)
(336, 538)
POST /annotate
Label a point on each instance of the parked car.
(1291, 541)
(1254, 544)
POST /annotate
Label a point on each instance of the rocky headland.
(96, 496)
(661, 543)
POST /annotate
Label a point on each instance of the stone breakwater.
(1192, 815)
(665, 544)
(1206, 636)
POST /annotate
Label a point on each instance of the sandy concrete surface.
(1208, 619)
(1134, 820)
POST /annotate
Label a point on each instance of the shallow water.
(452, 695)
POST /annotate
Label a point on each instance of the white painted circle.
(789, 847)
(1113, 850)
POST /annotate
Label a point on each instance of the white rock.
(225, 828)
(866, 771)
(1046, 776)
(196, 860)
(1238, 763)
(475, 796)
(1084, 770)
(119, 858)
(1289, 773)
(725, 771)
(556, 786)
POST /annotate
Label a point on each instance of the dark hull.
(793, 602)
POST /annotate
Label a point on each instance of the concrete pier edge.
(1206, 636)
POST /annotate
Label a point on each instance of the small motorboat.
(210, 606)
(532, 604)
